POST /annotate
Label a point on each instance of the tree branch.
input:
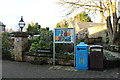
(82, 5)
(118, 19)
(91, 9)
(101, 12)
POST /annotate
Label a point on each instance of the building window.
(3, 29)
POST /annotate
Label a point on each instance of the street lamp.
(21, 23)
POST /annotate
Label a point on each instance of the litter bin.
(96, 57)
(82, 56)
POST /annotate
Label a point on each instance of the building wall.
(119, 10)
(98, 31)
(2, 27)
(119, 15)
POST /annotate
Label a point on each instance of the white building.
(119, 10)
(118, 14)
(2, 27)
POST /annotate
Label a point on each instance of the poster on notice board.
(64, 35)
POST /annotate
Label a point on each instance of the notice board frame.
(72, 39)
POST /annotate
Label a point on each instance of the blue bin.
(82, 56)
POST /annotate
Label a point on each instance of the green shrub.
(109, 56)
(80, 40)
(7, 45)
(107, 40)
(44, 41)
(12, 55)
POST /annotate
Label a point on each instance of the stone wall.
(20, 45)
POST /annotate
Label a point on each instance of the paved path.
(114, 53)
(0, 69)
(12, 69)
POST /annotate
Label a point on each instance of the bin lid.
(96, 46)
(82, 44)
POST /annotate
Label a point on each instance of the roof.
(83, 25)
(88, 24)
(1, 24)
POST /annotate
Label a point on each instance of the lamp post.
(21, 23)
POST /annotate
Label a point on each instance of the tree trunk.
(114, 15)
(114, 31)
(109, 28)
(112, 23)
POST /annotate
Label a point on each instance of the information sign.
(64, 35)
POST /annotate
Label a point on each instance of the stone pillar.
(20, 45)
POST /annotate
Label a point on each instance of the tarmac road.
(13, 69)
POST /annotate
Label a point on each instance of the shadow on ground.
(111, 64)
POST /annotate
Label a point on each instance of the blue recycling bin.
(82, 56)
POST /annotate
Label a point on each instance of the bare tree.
(106, 8)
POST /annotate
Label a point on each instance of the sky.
(45, 12)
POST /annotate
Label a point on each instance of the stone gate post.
(20, 45)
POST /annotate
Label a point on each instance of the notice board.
(64, 35)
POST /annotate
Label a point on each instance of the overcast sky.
(46, 12)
